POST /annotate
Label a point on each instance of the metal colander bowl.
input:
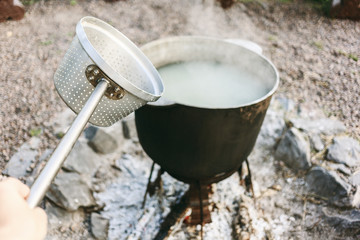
(100, 45)
(103, 77)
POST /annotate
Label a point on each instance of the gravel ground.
(316, 56)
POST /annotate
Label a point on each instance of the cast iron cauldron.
(200, 144)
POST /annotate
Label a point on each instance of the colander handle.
(42, 183)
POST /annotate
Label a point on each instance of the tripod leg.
(248, 180)
(148, 185)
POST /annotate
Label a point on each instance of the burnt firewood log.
(345, 9)
(226, 3)
(11, 10)
(114, 0)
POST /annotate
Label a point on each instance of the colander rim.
(151, 72)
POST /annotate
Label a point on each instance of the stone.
(287, 104)
(272, 129)
(70, 192)
(58, 217)
(82, 159)
(316, 142)
(20, 163)
(39, 166)
(61, 121)
(100, 141)
(327, 183)
(356, 198)
(99, 226)
(344, 150)
(34, 143)
(294, 150)
(128, 166)
(90, 132)
(347, 222)
(126, 129)
(340, 168)
(324, 126)
(129, 127)
(355, 178)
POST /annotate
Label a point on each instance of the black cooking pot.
(196, 143)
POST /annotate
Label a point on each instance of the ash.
(234, 211)
(124, 197)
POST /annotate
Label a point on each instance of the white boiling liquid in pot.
(210, 84)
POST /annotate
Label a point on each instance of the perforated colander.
(99, 45)
(100, 61)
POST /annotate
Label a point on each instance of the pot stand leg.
(159, 185)
(152, 186)
(240, 172)
(247, 181)
(148, 185)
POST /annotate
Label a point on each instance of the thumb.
(18, 186)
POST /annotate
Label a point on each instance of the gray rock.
(62, 121)
(128, 166)
(347, 221)
(20, 164)
(82, 160)
(355, 178)
(90, 132)
(99, 226)
(356, 198)
(46, 154)
(340, 168)
(272, 129)
(126, 129)
(316, 142)
(287, 104)
(344, 150)
(129, 127)
(70, 192)
(327, 183)
(39, 166)
(294, 150)
(100, 141)
(34, 143)
(324, 126)
(58, 217)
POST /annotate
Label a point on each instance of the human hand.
(17, 220)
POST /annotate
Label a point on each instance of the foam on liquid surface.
(210, 84)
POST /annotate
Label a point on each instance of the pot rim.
(169, 103)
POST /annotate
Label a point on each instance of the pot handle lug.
(246, 44)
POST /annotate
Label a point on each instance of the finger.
(41, 222)
(18, 186)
